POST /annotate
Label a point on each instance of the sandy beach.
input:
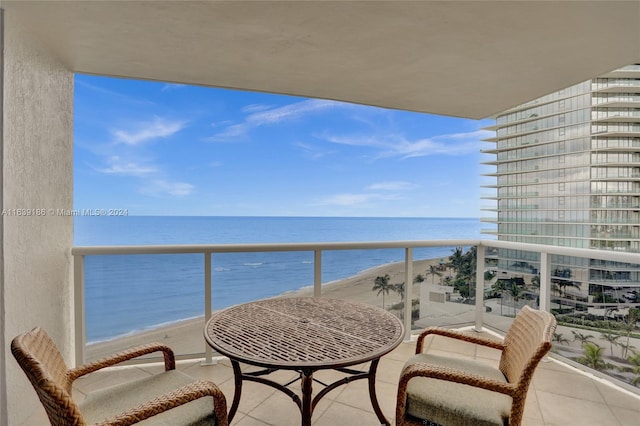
(187, 336)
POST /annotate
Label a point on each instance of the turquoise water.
(128, 293)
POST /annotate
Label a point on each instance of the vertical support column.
(408, 291)
(208, 353)
(4, 417)
(479, 287)
(79, 319)
(317, 273)
(545, 282)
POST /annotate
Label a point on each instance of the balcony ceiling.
(465, 59)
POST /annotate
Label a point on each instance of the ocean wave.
(253, 263)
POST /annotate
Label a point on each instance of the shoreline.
(186, 336)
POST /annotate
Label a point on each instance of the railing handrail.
(262, 247)
(364, 245)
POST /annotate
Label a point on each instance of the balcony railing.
(476, 296)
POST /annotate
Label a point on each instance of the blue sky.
(155, 148)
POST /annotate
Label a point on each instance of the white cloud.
(255, 108)
(261, 115)
(118, 166)
(398, 146)
(172, 86)
(360, 199)
(313, 151)
(145, 131)
(162, 187)
(150, 177)
(113, 94)
(291, 111)
(348, 199)
(392, 186)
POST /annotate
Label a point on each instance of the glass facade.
(567, 173)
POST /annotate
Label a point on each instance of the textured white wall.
(37, 174)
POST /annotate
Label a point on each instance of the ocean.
(130, 293)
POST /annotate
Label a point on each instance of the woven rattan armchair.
(441, 390)
(170, 397)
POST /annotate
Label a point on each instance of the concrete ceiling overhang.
(467, 59)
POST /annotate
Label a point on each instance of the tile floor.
(559, 394)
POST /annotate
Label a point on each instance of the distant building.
(568, 174)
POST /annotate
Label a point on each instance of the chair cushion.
(108, 402)
(453, 404)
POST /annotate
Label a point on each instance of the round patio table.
(304, 334)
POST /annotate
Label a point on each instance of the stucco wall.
(37, 174)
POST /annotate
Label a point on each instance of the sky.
(154, 148)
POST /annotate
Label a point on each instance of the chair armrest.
(173, 399)
(169, 359)
(459, 335)
(421, 369)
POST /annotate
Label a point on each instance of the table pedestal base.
(308, 403)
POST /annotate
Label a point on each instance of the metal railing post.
(479, 287)
(79, 317)
(408, 291)
(317, 273)
(208, 352)
(545, 282)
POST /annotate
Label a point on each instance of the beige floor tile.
(356, 395)
(625, 416)
(389, 371)
(216, 373)
(278, 409)
(566, 411)
(531, 407)
(249, 421)
(615, 397)
(342, 414)
(567, 383)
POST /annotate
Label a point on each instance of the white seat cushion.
(108, 402)
(454, 404)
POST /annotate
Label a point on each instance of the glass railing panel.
(511, 282)
(446, 294)
(597, 312)
(129, 296)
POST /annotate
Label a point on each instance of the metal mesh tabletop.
(307, 332)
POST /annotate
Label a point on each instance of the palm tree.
(381, 284)
(584, 339)
(560, 339)
(456, 260)
(399, 288)
(629, 326)
(433, 271)
(500, 286)
(516, 292)
(611, 338)
(634, 360)
(592, 357)
(535, 281)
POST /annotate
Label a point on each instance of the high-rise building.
(567, 173)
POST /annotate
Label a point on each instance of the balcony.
(559, 394)
(559, 383)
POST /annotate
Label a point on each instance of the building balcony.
(561, 386)
(558, 395)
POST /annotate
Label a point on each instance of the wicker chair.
(171, 397)
(440, 390)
